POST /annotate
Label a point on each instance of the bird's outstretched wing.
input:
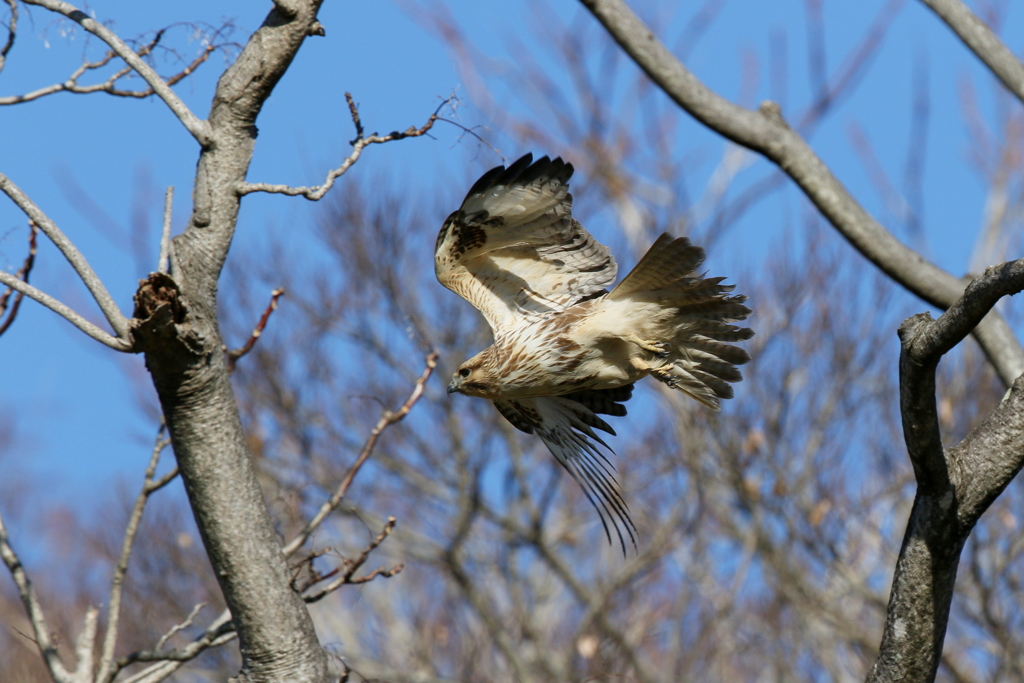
(566, 426)
(513, 249)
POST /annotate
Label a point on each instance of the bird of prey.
(566, 349)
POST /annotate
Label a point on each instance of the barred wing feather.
(566, 426)
(513, 249)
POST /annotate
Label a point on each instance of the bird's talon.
(664, 374)
(659, 349)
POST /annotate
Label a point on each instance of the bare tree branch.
(351, 567)
(12, 32)
(199, 129)
(983, 43)
(981, 295)
(766, 132)
(180, 627)
(63, 311)
(109, 86)
(220, 631)
(235, 354)
(33, 609)
(92, 282)
(386, 420)
(954, 486)
(117, 581)
(22, 274)
(163, 260)
(84, 647)
(361, 141)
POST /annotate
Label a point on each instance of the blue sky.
(78, 427)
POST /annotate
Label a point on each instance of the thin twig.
(163, 261)
(220, 631)
(22, 274)
(199, 128)
(180, 627)
(386, 420)
(108, 86)
(235, 354)
(12, 31)
(92, 282)
(317, 192)
(471, 131)
(154, 486)
(117, 581)
(33, 609)
(352, 566)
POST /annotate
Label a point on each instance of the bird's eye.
(464, 372)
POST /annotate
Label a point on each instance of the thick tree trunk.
(176, 326)
(276, 635)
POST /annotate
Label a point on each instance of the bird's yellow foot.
(659, 349)
(665, 374)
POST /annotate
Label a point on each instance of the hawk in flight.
(566, 349)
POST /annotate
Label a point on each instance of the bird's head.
(472, 378)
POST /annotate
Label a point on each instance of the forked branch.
(954, 485)
(220, 631)
(34, 611)
(122, 342)
(346, 572)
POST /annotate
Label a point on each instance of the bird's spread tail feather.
(691, 317)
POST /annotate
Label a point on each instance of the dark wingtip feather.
(522, 171)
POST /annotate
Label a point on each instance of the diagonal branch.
(33, 609)
(764, 131)
(199, 129)
(238, 353)
(134, 519)
(983, 43)
(981, 295)
(22, 274)
(317, 192)
(386, 420)
(64, 311)
(12, 32)
(92, 282)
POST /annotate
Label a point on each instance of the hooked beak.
(453, 386)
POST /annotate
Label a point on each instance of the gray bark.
(982, 42)
(176, 326)
(954, 485)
